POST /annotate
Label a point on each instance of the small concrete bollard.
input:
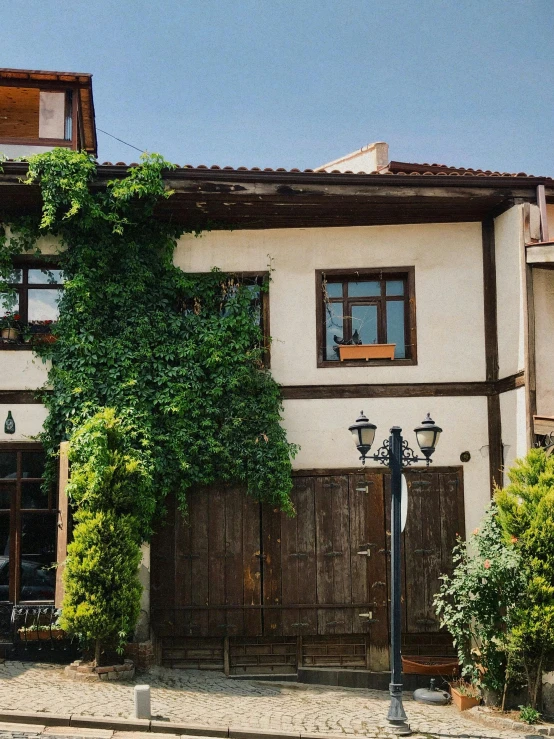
(142, 701)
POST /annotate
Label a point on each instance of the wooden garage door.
(234, 568)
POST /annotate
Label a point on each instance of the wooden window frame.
(42, 87)
(382, 273)
(26, 263)
(15, 514)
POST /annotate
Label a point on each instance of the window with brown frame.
(27, 525)
(32, 306)
(366, 306)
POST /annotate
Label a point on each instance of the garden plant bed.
(508, 720)
(80, 670)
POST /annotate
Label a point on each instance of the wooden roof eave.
(257, 199)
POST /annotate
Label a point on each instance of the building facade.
(451, 267)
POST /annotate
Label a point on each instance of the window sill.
(367, 363)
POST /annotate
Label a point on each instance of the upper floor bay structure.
(449, 265)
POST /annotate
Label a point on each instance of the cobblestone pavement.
(197, 697)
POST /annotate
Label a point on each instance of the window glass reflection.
(45, 276)
(8, 465)
(4, 557)
(43, 305)
(32, 464)
(38, 537)
(395, 327)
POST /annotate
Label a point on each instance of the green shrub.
(529, 715)
(526, 513)
(102, 592)
(476, 603)
(111, 489)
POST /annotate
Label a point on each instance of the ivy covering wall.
(178, 357)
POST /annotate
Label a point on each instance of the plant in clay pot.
(10, 326)
(464, 695)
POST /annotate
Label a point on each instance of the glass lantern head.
(427, 435)
(363, 432)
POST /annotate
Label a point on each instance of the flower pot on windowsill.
(10, 334)
(366, 351)
(42, 634)
(463, 702)
(43, 338)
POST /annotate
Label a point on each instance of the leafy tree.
(526, 513)
(476, 603)
(111, 488)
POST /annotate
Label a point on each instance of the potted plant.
(366, 351)
(40, 332)
(10, 325)
(41, 633)
(464, 695)
(354, 349)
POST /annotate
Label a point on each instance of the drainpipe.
(541, 202)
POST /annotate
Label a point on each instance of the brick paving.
(208, 698)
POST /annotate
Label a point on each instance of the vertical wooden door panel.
(217, 622)
(271, 567)
(251, 565)
(198, 524)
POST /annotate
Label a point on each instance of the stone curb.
(159, 727)
(498, 722)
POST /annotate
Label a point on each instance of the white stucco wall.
(508, 232)
(514, 430)
(543, 291)
(321, 428)
(449, 293)
(28, 421)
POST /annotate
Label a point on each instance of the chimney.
(370, 158)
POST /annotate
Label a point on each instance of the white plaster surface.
(509, 240)
(321, 428)
(543, 290)
(22, 370)
(28, 421)
(449, 293)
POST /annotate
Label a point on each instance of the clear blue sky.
(296, 83)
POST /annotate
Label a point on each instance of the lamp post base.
(396, 716)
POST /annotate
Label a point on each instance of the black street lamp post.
(396, 454)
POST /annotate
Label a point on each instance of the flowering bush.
(476, 603)
(11, 319)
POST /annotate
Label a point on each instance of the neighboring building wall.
(543, 292)
(514, 436)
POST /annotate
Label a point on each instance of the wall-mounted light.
(9, 424)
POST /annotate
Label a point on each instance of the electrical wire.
(121, 140)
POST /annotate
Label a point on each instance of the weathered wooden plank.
(234, 594)
(272, 580)
(217, 623)
(251, 562)
(341, 559)
(162, 578)
(198, 503)
(378, 571)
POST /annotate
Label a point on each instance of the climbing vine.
(179, 357)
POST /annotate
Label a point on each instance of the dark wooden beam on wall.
(491, 352)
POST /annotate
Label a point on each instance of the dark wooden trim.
(529, 348)
(410, 328)
(358, 470)
(22, 397)
(489, 299)
(491, 352)
(21, 446)
(495, 441)
(393, 390)
(331, 392)
(35, 142)
(510, 383)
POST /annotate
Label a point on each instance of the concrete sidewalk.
(209, 700)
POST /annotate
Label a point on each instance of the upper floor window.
(366, 315)
(31, 306)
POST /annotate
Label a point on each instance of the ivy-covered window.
(30, 307)
(366, 307)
